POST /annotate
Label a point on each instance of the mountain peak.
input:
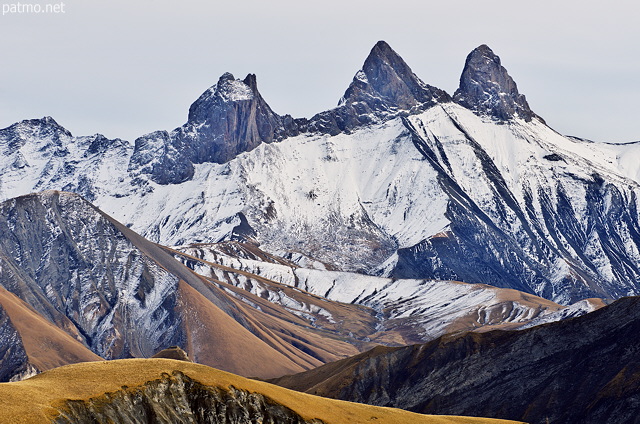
(386, 83)
(487, 88)
(45, 128)
(229, 118)
(383, 50)
(227, 89)
(46, 123)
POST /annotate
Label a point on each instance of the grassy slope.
(30, 401)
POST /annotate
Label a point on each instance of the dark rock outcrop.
(583, 370)
(179, 399)
(487, 89)
(384, 88)
(228, 119)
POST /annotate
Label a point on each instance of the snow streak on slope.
(418, 310)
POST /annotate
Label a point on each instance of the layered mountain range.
(400, 180)
(267, 245)
(79, 286)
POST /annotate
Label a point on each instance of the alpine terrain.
(435, 252)
(400, 180)
(582, 370)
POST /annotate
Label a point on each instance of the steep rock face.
(228, 119)
(177, 398)
(487, 89)
(13, 357)
(584, 370)
(49, 258)
(385, 87)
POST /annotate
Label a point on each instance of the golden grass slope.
(35, 400)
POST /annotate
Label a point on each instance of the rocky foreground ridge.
(582, 370)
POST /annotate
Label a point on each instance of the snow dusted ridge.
(399, 181)
(419, 310)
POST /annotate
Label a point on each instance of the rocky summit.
(487, 89)
(229, 118)
(384, 88)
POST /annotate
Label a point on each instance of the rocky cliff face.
(13, 357)
(584, 370)
(77, 269)
(228, 119)
(384, 88)
(487, 89)
(177, 398)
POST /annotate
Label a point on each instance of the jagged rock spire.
(384, 88)
(487, 89)
(232, 117)
(386, 82)
(229, 118)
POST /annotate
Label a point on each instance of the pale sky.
(126, 68)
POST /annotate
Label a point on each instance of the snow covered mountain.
(400, 181)
(109, 291)
(76, 285)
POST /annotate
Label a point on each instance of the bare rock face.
(229, 118)
(384, 88)
(77, 269)
(487, 89)
(232, 118)
(179, 399)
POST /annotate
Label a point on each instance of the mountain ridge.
(170, 391)
(582, 370)
(529, 208)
